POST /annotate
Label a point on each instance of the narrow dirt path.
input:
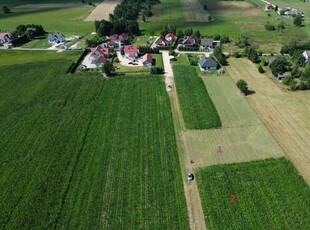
(194, 208)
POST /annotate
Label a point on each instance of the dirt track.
(286, 114)
(103, 10)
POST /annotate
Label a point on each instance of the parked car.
(190, 176)
(129, 63)
(134, 63)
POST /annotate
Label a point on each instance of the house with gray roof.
(189, 41)
(209, 43)
(56, 38)
(306, 55)
(207, 63)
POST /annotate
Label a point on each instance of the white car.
(190, 176)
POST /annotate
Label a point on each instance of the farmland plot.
(242, 136)
(197, 108)
(194, 11)
(265, 194)
(81, 152)
(128, 175)
(286, 114)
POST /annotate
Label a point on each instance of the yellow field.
(243, 136)
(286, 114)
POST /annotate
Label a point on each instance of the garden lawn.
(196, 105)
(267, 194)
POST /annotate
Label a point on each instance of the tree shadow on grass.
(250, 92)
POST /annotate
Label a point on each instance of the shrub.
(243, 86)
(260, 69)
(156, 70)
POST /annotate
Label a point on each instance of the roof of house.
(123, 36)
(170, 35)
(307, 52)
(120, 37)
(2, 35)
(103, 59)
(207, 62)
(113, 37)
(161, 40)
(189, 40)
(283, 75)
(207, 42)
(147, 57)
(101, 50)
(130, 48)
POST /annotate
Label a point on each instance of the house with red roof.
(6, 37)
(147, 60)
(170, 36)
(161, 41)
(99, 55)
(131, 51)
(119, 38)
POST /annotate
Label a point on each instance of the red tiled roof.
(101, 50)
(130, 48)
(147, 57)
(162, 40)
(103, 59)
(170, 35)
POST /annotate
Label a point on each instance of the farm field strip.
(194, 11)
(254, 195)
(198, 110)
(286, 114)
(103, 10)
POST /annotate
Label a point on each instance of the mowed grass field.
(267, 194)
(78, 151)
(242, 136)
(68, 21)
(286, 114)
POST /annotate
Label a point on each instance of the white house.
(99, 55)
(56, 38)
(131, 51)
(6, 37)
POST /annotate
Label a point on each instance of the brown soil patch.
(103, 10)
(235, 7)
(286, 114)
(51, 5)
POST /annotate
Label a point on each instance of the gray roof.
(207, 62)
(283, 75)
(207, 42)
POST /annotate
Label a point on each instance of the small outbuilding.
(280, 76)
(147, 60)
(207, 63)
(56, 38)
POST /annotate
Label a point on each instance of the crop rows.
(268, 194)
(81, 152)
(197, 107)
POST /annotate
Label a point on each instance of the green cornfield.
(268, 194)
(81, 152)
(197, 107)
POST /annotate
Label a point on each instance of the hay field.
(103, 10)
(286, 114)
(243, 137)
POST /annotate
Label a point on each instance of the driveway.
(125, 62)
(168, 70)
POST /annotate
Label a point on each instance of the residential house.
(170, 36)
(110, 44)
(147, 60)
(208, 63)
(306, 55)
(99, 55)
(6, 37)
(119, 38)
(161, 41)
(189, 41)
(209, 43)
(56, 38)
(269, 7)
(131, 51)
(280, 76)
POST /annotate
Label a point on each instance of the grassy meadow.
(197, 108)
(268, 194)
(68, 21)
(242, 136)
(78, 151)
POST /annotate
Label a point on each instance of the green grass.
(78, 151)
(182, 59)
(20, 2)
(68, 21)
(197, 107)
(37, 43)
(158, 60)
(268, 195)
(12, 57)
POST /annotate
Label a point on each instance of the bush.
(260, 69)
(156, 70)
(6, 10)
(243, 86)
(236, 54)
(287, 80)
(270, 27)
